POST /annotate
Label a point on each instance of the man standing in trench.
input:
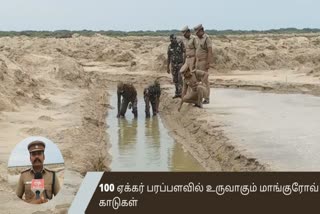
(203, 56)
(129, 98)
(175, 59)
(152, 96)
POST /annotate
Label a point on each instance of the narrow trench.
(144, 144)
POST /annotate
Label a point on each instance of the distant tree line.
(68, 33)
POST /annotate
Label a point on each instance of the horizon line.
(128, 31)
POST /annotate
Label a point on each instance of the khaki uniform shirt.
(202, 47)
(192, 82)
(190, 46)
(24, 185)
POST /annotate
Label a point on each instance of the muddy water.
(143, 144)
(281, 130)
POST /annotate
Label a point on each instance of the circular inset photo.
(36, 170)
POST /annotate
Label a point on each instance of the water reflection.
(127, 134)
(181, 161)
(143, 144)
(152, 135)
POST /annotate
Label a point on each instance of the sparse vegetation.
(97, 164)
(68, 33)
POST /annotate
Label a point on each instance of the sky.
(129, 15)
(20, 154)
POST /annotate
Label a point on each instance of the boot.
(198, 105)
(206, 101)
(147, 114)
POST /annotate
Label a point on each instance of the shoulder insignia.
(49, 170)
(27, 170)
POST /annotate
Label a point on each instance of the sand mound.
(21, 76)
(315, 40)
(264, 52)
(267, 53)
(294, 42)
(6, 104)
(116, 55)
(37, 65)
(45, 118)
(315, 72)
(160, 63)
(3, 69)
(125, 56)
(17, 86)
(68, 69)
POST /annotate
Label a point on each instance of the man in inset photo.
(37, 185)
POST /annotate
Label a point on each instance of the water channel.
(144, 144)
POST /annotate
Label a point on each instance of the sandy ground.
(46, 94)
(57, 88)
(204, 138)
(276, 81)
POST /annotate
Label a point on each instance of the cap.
(198, 27)
(172, 36)
(36, 146)
(184, 68)
(184, 29)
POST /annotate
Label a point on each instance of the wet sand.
(281, 130)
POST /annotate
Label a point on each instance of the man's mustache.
(37, 159)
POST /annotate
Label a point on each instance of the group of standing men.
(191, 59)
(188, 61)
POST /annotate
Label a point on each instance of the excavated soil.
(57, 88)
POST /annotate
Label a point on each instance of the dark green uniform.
(175, 58)
(152, 95)
(129, 97)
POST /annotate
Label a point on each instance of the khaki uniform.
(202, 57)
(190, 51)
(198, 90)
(24, 185)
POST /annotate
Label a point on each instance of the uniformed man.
(129, 99)
(152, 95)
(175, 59)
(190, 48)
(195, 81)
(203, 55)
(51, 181)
